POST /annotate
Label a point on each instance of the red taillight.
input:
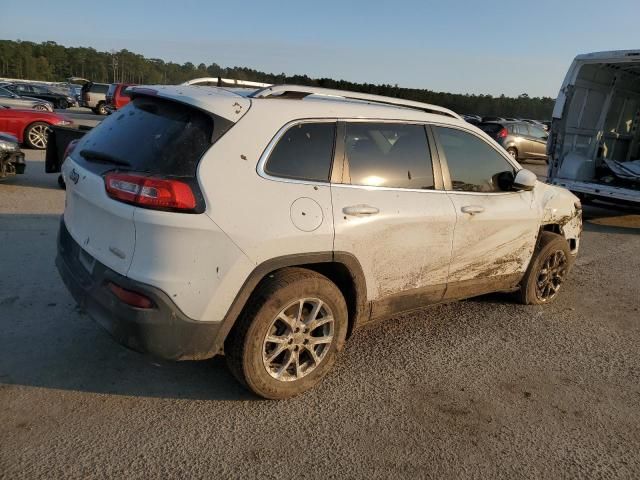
(150, 192)
(503, 133)
(130, 298)
(70, 148)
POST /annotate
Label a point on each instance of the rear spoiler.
(57, 142)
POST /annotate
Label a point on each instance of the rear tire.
(547, 271)
(35, 135)
(101, 109)
(278, 348)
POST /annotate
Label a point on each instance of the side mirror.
(525, 180)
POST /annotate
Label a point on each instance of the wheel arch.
(341, 268)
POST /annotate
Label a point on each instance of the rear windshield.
(490, 128)
(150, 135)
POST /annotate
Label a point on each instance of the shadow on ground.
(46, 341)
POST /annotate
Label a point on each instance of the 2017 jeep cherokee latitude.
(267, 226)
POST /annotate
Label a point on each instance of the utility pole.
(114, 64)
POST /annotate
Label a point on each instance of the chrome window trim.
(392, 189)
(271, 145)
(276, 138)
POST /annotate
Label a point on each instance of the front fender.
(562, 208)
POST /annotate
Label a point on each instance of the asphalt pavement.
(483, 388)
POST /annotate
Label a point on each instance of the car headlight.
(8, 146)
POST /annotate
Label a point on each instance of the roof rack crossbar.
(299, 91)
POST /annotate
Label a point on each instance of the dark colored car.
(59, 100)
(472, 119)
(11, 157)
(30, 126)
(118, 96)
(522, 140)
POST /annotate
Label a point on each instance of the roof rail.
(299, 92)
(220, 82)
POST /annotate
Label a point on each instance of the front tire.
(287, 338)
(547, 271)
(35, 135)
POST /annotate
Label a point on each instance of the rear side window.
(99, 88)
(388, 155)
(474, 166)
(150, 135)
(537, 132)
(304, 152)
(523, 129)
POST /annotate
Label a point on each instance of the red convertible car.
(30, 126)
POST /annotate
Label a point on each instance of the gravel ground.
(484, 388)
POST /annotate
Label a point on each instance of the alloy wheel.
(38, 136)
(551, 275)
(298, 339)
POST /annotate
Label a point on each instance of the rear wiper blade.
(95, 156)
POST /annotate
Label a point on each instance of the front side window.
(474, 166)
(304, 152)
(387, 155)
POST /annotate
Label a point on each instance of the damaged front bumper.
(12, 163)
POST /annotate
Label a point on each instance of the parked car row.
(57, 98)
(477, 119)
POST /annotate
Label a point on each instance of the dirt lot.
(484, 388)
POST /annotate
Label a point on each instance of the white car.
(267, 226)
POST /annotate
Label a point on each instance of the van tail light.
(503, 133)
(150, 192)
(130, 297)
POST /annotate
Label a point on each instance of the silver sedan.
(11, 100)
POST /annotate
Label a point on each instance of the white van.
(594, 146)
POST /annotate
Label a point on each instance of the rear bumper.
(163, 331)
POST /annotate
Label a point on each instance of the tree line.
(49, 61)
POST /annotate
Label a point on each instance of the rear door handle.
(472, 209)
(360, 210)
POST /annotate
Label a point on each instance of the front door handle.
(472, 209)
(360, 210)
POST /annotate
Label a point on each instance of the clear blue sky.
(464, 46)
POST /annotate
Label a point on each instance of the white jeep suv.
(268, 225)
